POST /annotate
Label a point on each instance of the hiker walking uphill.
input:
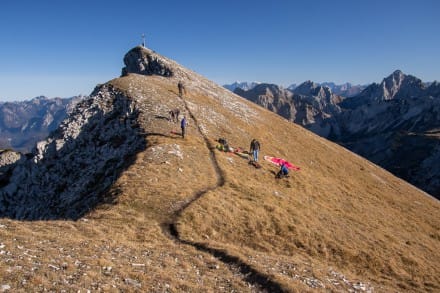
(183, 125)
(181, 88)
(174, 115)
(254, 149)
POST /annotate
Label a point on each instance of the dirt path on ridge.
(261, 281)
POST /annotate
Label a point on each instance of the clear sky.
(64, 48)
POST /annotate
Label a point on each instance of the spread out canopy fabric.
(279, 161)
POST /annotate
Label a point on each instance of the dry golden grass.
(339, 223)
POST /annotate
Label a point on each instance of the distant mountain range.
(242, 85)
(24, 123)
(345, 89)
(395, 123)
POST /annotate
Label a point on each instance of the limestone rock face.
(8, 161)
(8, 157)
(309, 104)
(396, 86)
(144, 61)
(68, 172)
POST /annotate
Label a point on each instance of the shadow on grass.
(252, 275)
(162, 117)
(172, 136)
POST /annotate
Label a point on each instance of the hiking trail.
(260, 280)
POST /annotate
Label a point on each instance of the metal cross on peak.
(143, 40)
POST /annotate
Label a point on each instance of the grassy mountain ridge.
(187, 217)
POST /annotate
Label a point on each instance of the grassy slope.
(339, 218)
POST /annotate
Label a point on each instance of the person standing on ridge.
(181, 88)
(254, 149)
(183, 125)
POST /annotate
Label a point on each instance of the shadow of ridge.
(162, 117)
(147, 134)
(69, 182)
(251, 275)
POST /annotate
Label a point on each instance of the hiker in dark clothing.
(284, 171)
(254, 149)
(171, 115)
(174, 115)
(183, 125)
(181, 88)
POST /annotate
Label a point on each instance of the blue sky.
(64, 48)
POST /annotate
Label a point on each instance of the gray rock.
(309, 105)
(67, 173)
(8, 161)
(144, 61)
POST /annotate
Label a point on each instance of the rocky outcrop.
(269, 96)
(309, 104)
(396, 86)
(434, 89)
(9, 157)
(68, 172)
(144, 61)
(8, 161)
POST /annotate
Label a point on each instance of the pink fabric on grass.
(279, 161)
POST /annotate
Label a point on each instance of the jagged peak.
(309, 83)
(398, 77)
(398, 72)
(310, 88)
(269, 85)
(394, 83)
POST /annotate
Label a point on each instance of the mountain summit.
(142, 60)
(401, 85)
(396, 86)
(123, 202)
